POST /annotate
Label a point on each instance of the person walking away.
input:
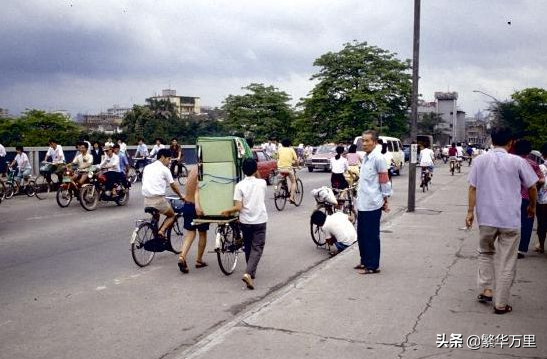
(354, 164)
(339, 166)
(523, 148)
(191, 211)
(286, 160)
(111, 163)
(495, 181)
(155, 179)
(372, 198)
(338, 228)
(541, 212)
(2, 160)
(249, 195)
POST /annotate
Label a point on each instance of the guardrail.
(37, 154)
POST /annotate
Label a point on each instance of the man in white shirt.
(111, 163)
(158, 146)
(23, 165)
(155, 179)
(427, 157)
(249, 197)
(84, 161)
(338, 228)
(55, 152)
(2, 160)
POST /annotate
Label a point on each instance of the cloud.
(87, 55)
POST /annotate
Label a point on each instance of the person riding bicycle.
(460, 152)
(141, 155)
(453, 155)
(84, 161)
(354, 164)
(176, 156)
(286, 160)
(155, 179)
(111, 163)
(24, 168)
(55, 152)
(469, 152)
(339, 166)
(427, 159)
(155, 149)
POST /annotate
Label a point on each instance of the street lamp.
(485, 94)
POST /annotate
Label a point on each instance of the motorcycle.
(95, 191)
(68, 189)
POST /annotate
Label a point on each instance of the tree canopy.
(261, 113)
(525, 114)
(357, 88)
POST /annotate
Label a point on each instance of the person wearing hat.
(111, 163)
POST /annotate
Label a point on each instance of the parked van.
(394, 146)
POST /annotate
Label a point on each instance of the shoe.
(183, 266)
(484, 298)
(248, 280)
(507, 309)
(359, 266)
(520, 256)
(368, 271)
(201, 264)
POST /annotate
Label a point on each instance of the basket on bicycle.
(46, 167)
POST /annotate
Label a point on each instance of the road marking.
(102, 287)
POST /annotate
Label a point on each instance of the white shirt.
(339, 165)
(155, 150)
(142, 150)
(79, 160)
(56, 155)
(251, 192)
(89, 147)
(338, 225)
(270, 149)
(111, 163)
(2, 151)
(123, 147)
(388, 156)
(426, 157)
(22, 161)
(460, 151)
(155, 179)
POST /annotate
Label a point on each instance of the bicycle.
(13, 186)
(144, 240)
(228, 243)
(134, 174)
(48, 179)
(2, 191)
(181, 175)
(426, 179)
(282, 192)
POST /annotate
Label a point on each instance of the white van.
(394, 146)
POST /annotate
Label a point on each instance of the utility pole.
(414, 108)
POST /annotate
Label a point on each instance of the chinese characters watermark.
(475, 342)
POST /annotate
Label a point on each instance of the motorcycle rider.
(83, 160)
(453, 154)
(111, 163)
(124, 164)
(155, 178)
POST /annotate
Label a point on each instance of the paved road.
(69, 288)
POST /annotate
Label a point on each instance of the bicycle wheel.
(459, 168)
(317, 235)
(42, 186)
(30, 189)
(175, 236)
(10, 190)
(2, 191)
(142, 235)
(54, 182)
(299, 192)
(452, 169)
(132, 175)
(280, 196)
(64, 196)
(228, 252)
(182, 177)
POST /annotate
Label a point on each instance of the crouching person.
(249, 202)
(339, 230)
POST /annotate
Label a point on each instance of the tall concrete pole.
(414, 107)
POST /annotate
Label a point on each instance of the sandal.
(359, 266)
(507, 309)
(200, 264)
(368, 271)
(183, 267)
(484, 298)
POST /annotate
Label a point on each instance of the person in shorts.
(155, 179)
(191, 211)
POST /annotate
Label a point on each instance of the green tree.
(35, 127)
(525, 114)
(358, 88)
(428, 124)
(261, 113)
(159, 119)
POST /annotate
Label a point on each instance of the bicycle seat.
(151, 210)
(284, 174)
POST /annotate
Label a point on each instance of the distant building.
(185, 105)
(116, 110)
(102, 122)
(453, 120)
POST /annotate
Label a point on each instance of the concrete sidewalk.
(426, 289)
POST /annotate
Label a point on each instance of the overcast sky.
(85, 56)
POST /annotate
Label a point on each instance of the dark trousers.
(526, 226)
(177, 165)
(2, 165)
(111, 178)
(541, 213)
(254, 238)
(368, 237)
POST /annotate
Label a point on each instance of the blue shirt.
(123, 162)
(371, 193)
